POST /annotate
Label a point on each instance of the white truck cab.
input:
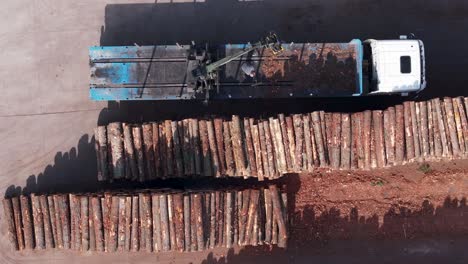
(397, 66)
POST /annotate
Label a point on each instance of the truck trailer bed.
(164, 72)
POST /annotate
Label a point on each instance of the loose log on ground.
(409, 137)
(452, 126)
(138, 145)
(299, 141)
(441, 127)
(38, 221)
(135, 233)
(250, 148)
(177, 149)
(10, 219)
(101, 139)
(27, 222)
(237, 146)
(318, 135)
(213, 149)
(276, 202)
(229, 156)
(379, 138)
(346, 141)
(286, 144)
(206, 154)
(84, 225)
(257, 149)
(130, 157)
(157, 242)
(187, 224)
(424, 128)
(114, 132)
(97, 220)
(218, 128)
(48, 235)
(163, 214)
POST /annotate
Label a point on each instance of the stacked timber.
(148, 220)
(267, 148)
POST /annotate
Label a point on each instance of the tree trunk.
(250, 148)
(138, 144)
(286, 144)
(149, 150)
(49, 238)
(97, 220)
(179, 221)
(292, 143)
(206, 156)
(464, 121)
(84, 225)
(65, 220)
(163, 149)
(58, 221)
(280, 149)
(187, 156)
(197, 205)
(122, 222)
(170, 213)
(299, 142)
(130, 157)
(237, 146)
(253, 204)
(272, 166)
(441, 127)
(228, 219)
(101, 138)
(213, 149)
(135, 233)
(177, 146)
(230, 163)
(157, 150)
(452, 129)
(187, 224)
(169, 148)
(379, 138)
(163, 214)
(424, 128)
(113, 224)
(27, 222)
(218, 128)
(336, 140)
(277, 212)
(157, 242)
(409, 136)
(114, 132)
(346, 141)
(318, 134)
(264, 150)
(257, 149)
(10, 219)
(212, 220)
(38, 222)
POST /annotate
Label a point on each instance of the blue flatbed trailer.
(301, 70)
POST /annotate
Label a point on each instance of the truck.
(266, 69)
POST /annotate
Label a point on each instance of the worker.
(249, 69)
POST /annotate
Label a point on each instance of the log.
(179, 221)
(292, 142)
(184, 128)
(424, 127)
(17, 222)
(58, 222)
(447, 131)
(128, 222)
(135, 233)
(206, 217)
(400, 145)
(101, 139)
(249, 145)
(315, 159)
(146, 222)
(219, 200)
(268, 216)
(336, 140)
(163, 149)
(463, 119)
(415, 128)
(92, 235)
(309, 154)
(260, 225)
(430, 124)
(206, 154)
(106, 204)
(64, 219)
(197, 205)
(121, 226)
(286, 144)
(279, 148)
(84, 225)
(257, 149)
(418, 118)
(170, 213)
(237, 146)
(212, 220)
(10, 219)
(379, 138)
(187, 224)
(409, 140)
(196, 146)
(27, 222)
(264, 150)
(177, 146)
(345, 162)
(253, 204)
(149, 150)
(458, 125)
(228, 219)
(441, 127)
(213, 149)
(75, 215)
(372, 146)
(143, 233)
(436, 133)
(38, 222)
(235, 215)
(157, 150)
(169, 148)
(113, 224)
(97, 220)
(299, 141)
(318, 135)
(130, 156)
(327, 129)
(193, 225)
(272, 166)
(139, 153)
(163, 214)
(219, 136)
(48, 235)
(254, 241)
(274, 230)
(157, 241)
(355, 140)
(278, 214)
(452, 128)
(229, 156)
(114, 132)
(243, 217)
(387, 135)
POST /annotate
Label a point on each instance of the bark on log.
(114, 132)
(424, 129)
(157, 150)
(276, 202)
(184, 129)
(135, 234)
(336, 138)
(128, 222)
(249, 145)
(452, 128)
(149, 150)
(75, 216)
(196, 146)
(163, 214)
(292, 142)
(272, 166)
(17, 222)
(38, 222)
(447, 130)
(139, 153)
(355, 140)
(458, 125)
(130, 157)
(318, 135)
(197, 204)
(97, 220)
(243, 217)
(179, 221)
(92, 235)
(193, 225)
(121, 225)
(415, 128)
(257, 149)
(169, 148)
(436, 132)
(218, 128)
(58, 222)
(286, 144)
(315, 158)
(264, 150)
(379, 138)
(400, 142)
(10, 219)
(230, 163)
(219, 197)
(213, 149)
(170, 213)
(308, 155)
(327, 129)
(212, 220)
(27, 222)
(187, 224)
(430, 121)
(65, 220)
(268, 216)
(441, 127)
(101, 138)
(163, 149)
(372, 146)
(346, 141)
(84, 225)
(228, 219)
(49, 238)
(146, 222)
(463, 120)
(237, 146)
(237, 197)
(253, 204)
(299, 141)
(409, 137)
(279, 149)
(177, 149)
(206, 155)
(157, 241)
(113, 224)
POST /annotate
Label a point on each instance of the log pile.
(267, 148)
(148, 220)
